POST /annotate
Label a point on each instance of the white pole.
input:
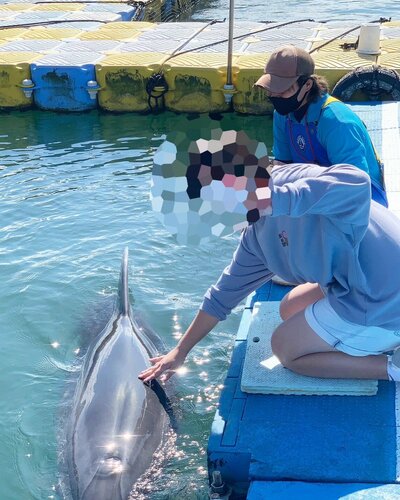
(230, 42)
(229, 88)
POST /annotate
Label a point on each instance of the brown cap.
(284, 67)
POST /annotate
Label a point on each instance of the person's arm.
(281, 147)
(344, 138)
(245, 273)
(202, 324)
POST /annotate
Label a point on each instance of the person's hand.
(166, 364)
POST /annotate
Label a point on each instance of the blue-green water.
(74, 192)
(275, 10)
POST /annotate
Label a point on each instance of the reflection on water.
(75, 192)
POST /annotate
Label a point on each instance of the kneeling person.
(320, 227)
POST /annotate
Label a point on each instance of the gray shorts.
(350, 338)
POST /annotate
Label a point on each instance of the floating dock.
(73, 56)
(315, 447)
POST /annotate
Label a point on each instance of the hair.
(319, 86)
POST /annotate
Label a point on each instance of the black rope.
(238, 37)
(374, 90)
(58, 21)
(380, 20)
(350, 45)
(156, 88)
(176, 53)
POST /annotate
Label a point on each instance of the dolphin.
(117, 422)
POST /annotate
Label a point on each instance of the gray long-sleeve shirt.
(323, 229)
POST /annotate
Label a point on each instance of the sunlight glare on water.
(75, 192)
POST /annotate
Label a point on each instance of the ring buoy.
(376, 82)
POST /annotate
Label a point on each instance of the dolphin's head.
(108, 476)
(105, 465)
(106, 482)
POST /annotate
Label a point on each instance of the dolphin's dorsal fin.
(123, 291)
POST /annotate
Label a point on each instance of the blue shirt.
(325, 229)
(340, 132)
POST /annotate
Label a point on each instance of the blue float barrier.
(61, 82)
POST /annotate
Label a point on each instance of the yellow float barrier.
(43, 33)
(127, 25)
(12, 33)
(390, 61)
(66, 6)
(247, 69)
(333, 62)
(123, 80)
(390, 54)
(14, 69)
(15, 7)
(196, 83)
(120, 31)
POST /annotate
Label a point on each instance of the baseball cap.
(284, 67)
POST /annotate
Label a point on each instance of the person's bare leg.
(301, 350)
(299, 298)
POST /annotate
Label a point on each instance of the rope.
(157, 86)
(158, 80)
(380, 20)
(156, 89)
(58, 21)
(238, 37)
(176, 53)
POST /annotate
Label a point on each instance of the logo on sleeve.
(301, 142)
(284, 239)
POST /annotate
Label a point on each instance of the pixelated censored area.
(209, 186)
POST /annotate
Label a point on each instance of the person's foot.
(393, 367)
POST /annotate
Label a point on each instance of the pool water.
(74, 193)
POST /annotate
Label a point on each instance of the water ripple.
(72, 199)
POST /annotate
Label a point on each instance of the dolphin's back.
(117, 422)
(123, 289)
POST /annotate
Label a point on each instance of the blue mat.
(301, 438)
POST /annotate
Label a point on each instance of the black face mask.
(286, 105)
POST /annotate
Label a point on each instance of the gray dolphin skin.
(117, 421)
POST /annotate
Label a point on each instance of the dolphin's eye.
(110, 465)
